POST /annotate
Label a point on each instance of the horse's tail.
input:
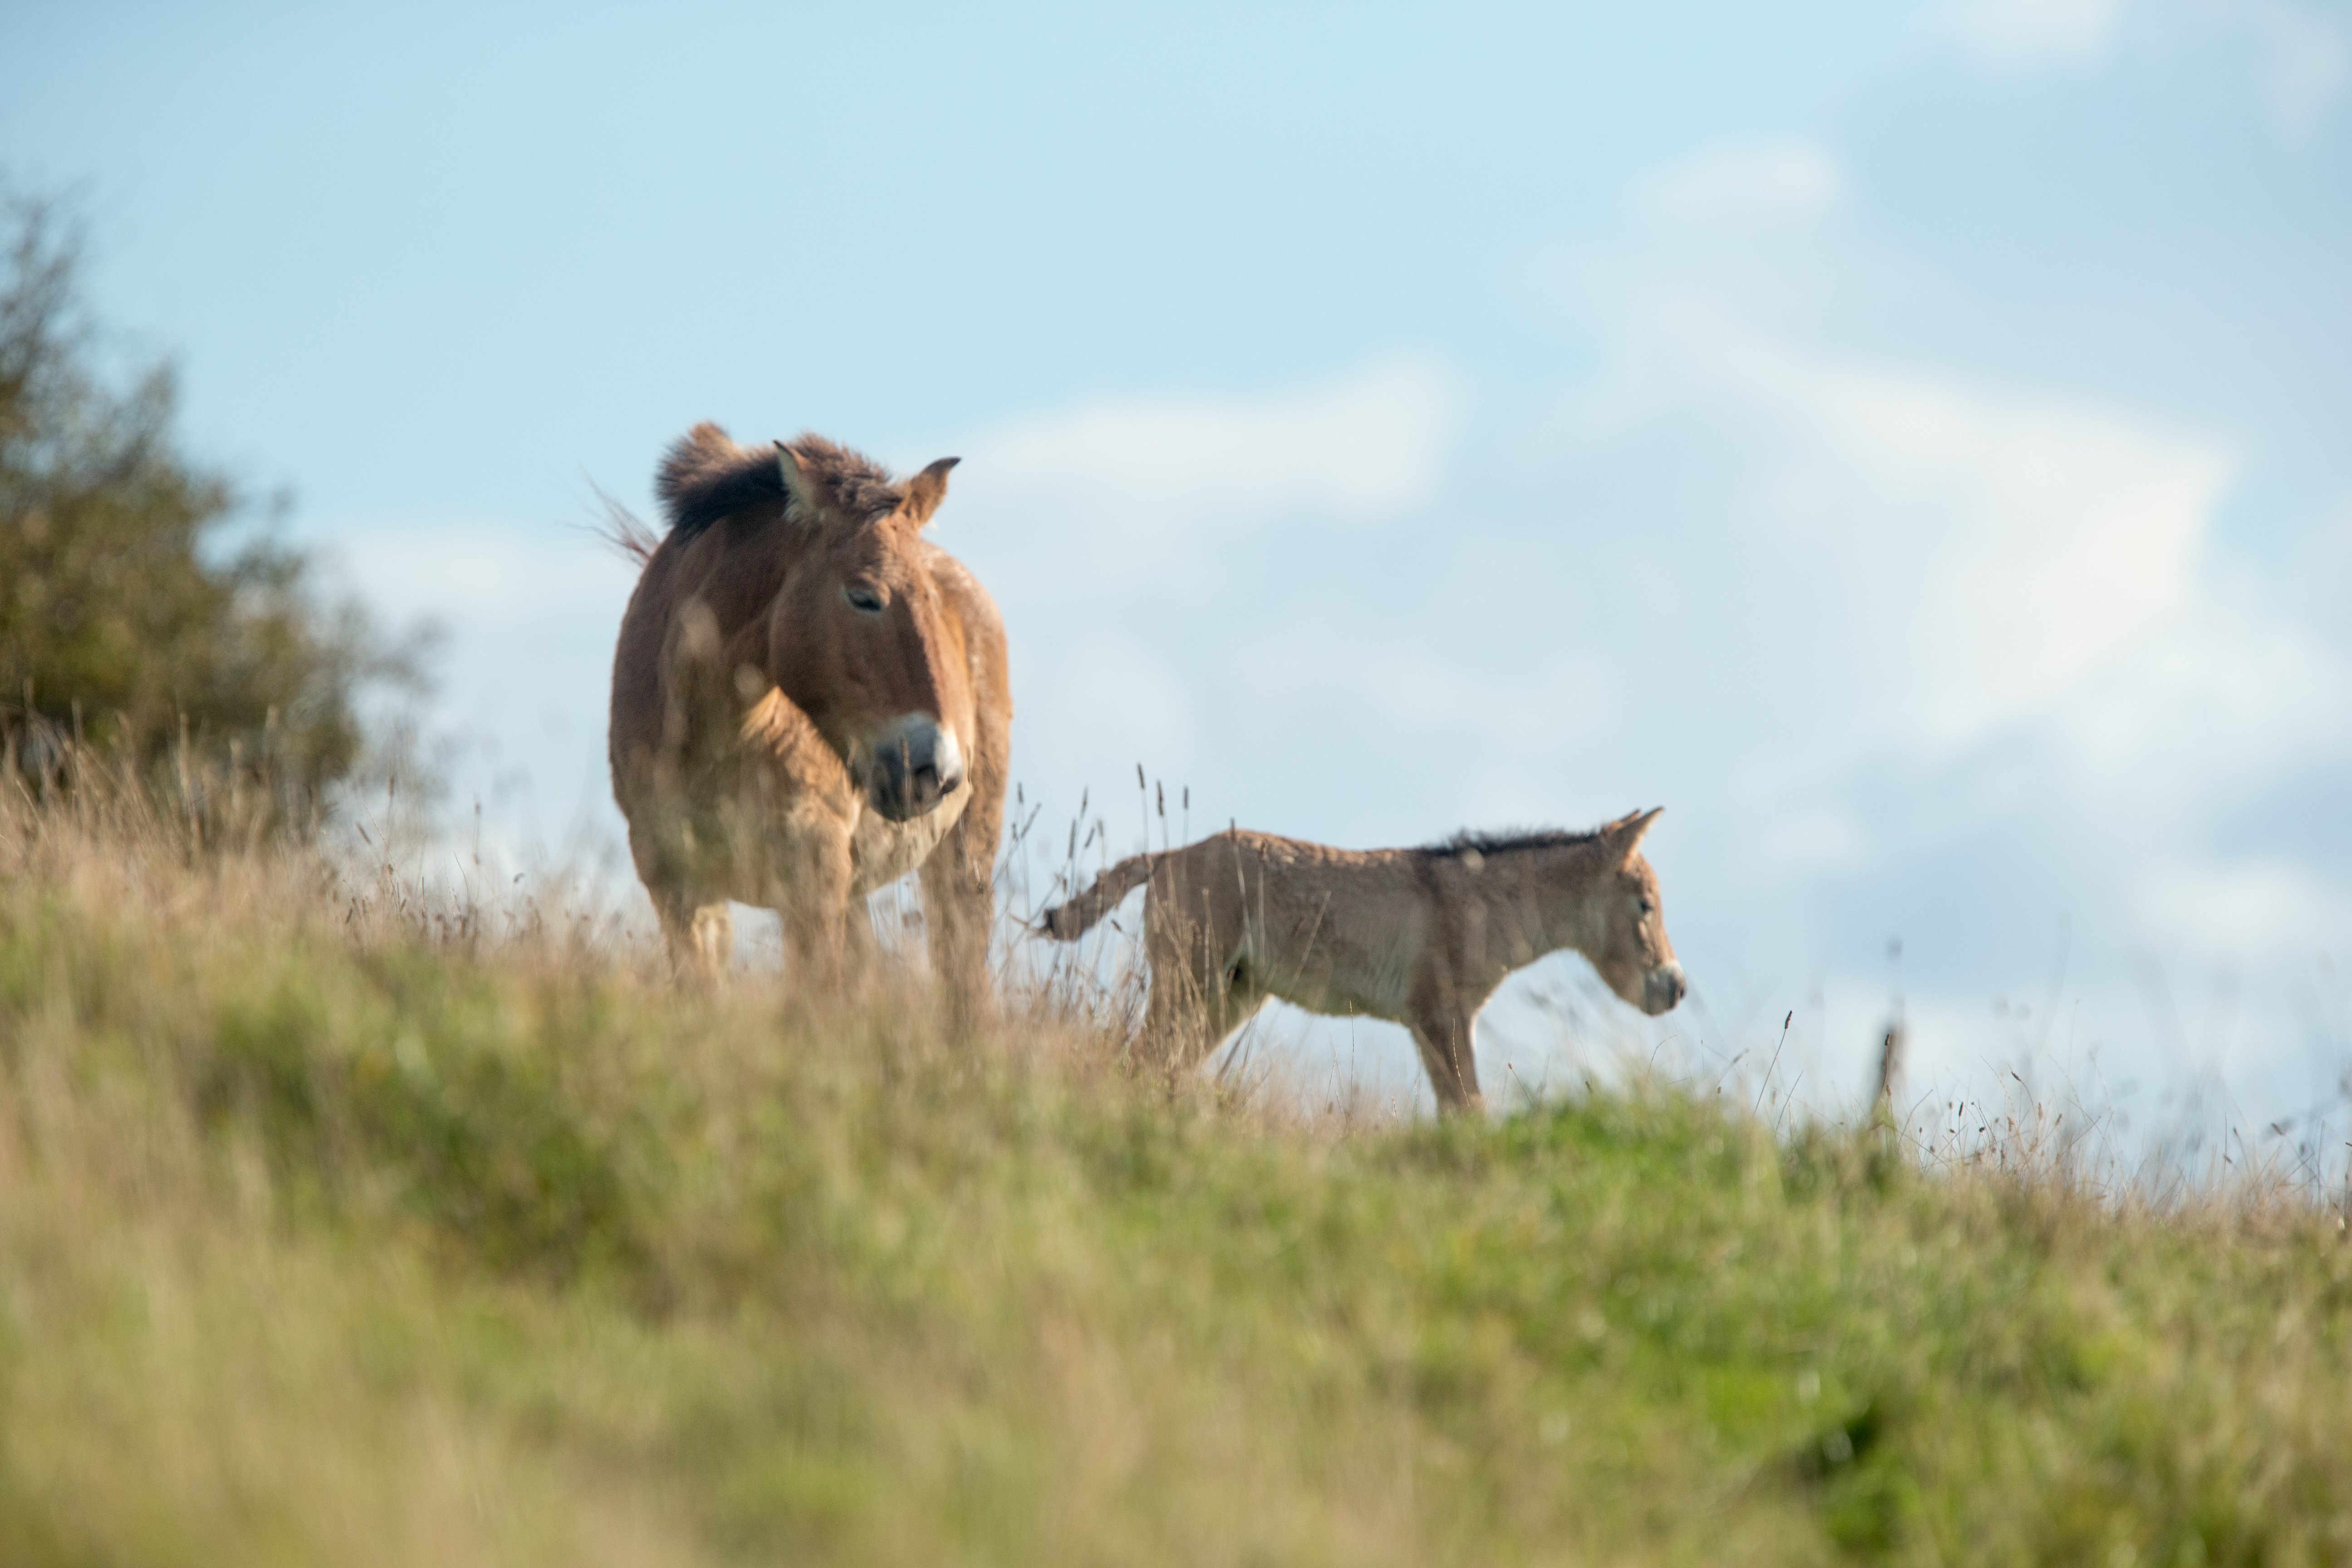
(1068, 922)
(620, 532)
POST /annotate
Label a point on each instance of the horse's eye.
(866, 601)
(1649, 907)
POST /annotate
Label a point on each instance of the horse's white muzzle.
(913, 764)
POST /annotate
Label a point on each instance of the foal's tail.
(1068, 922)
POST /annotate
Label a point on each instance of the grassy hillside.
(332, 1231)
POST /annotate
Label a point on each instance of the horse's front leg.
(960, 911)
(861, 954)
(814, 902)
(701, 937)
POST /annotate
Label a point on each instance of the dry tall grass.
(341, 1221)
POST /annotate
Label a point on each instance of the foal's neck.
(1544, 894)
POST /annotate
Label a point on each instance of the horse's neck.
(739, 585)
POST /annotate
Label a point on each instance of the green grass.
(330, 1234)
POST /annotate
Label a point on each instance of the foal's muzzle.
(1662, 988)
(917, 764)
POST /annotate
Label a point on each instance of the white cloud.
(2306, 60)
(2000, 546)
(2024, 34)
(470, 572)
(523, 677)
(2224, 695)
(1946, 651)
(1749, 183)
(2303, 50)
(2260, 910)
(1984, 549)
(1137, 487)
(1167, 567)
(1138, 705)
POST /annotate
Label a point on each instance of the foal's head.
(1629, 945)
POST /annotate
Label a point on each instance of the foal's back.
(1334, 930)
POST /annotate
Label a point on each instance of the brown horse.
(1420, 937)
(809, 701)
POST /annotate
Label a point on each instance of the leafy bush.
(135, 612)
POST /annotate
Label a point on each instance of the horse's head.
(1633, 953)
(860, 638)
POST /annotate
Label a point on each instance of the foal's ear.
(927, 489)
(799, 488)
(1625, 833)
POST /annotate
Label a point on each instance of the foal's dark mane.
(705, 478)
(1470, 841)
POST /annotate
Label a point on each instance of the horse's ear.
(927, 489)
(1624, 835)
(798, 488)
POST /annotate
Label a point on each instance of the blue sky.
(1906, 441)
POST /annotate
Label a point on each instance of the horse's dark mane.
(705, 478)
(1472, 841)
(852, 485)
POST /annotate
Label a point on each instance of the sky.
(1908, 442)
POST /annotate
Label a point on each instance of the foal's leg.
(1201, 990)
(1172, 1007)
(1203, 1009)
(1231, 1018)
(1443, 1032)
(1172, 1019)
